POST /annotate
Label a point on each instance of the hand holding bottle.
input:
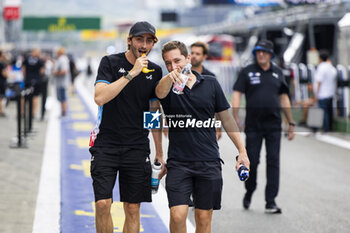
(242, 171)
(156, 168)
(185, 74)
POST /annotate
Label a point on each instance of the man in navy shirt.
(3, 77)
(33, 70)
(266, 92)
(193, 155)
(123, 93)
(199, 53)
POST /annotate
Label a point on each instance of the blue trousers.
(327, 106)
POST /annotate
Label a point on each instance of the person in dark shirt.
(33, 69)
(89, 71)
(266, 92)
(199, 53)
(3, 77)
(74, 72)
(194, 164)
(123, 93)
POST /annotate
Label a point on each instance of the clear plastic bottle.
(185, 73)
(156, 168)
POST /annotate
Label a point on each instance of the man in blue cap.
(266, 93)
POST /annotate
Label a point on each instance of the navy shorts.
(36, 87)
(2, 89)
(134, 169)
(61, 94)
(202, 179)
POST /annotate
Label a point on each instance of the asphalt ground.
(20, 170)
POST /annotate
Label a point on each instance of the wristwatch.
(128, 76)
(291, 124)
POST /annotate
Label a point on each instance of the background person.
(199, 53)
(3, 82)
(266, 92)
(44, 84)
(74, 72)
(33, 70)
(326, 85)
(61, 79)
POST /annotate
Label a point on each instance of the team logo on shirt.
(152, 120)
(121, 70)
(254, 78)
(149, 77)
(275, 75)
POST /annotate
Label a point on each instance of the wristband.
(128, 76)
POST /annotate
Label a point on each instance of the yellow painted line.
(82, 126)
(80, 116)
(83, 142)
(71, 141)
(117, 213)
(74, 101)
(76, 108)
(85, 167)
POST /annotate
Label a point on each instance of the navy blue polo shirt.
(122, 117)
(194, 139)
(262, 90)
(207, 72)
(33, 66)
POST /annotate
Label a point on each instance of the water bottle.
(243, 172)
(156, 168)
(96, 130)
(185, 74)
(93, 136)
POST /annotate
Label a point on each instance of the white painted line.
(334, 141)
(86, 95)
(48, 208)
(305, 134)
(160, 201)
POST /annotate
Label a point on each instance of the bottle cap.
(157, 163)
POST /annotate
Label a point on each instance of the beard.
(134, 51)
(195, 63)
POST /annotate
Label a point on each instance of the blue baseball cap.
(265, 45)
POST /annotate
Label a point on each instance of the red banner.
(11, 13)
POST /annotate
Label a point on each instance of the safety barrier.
(20, 141)
(302, 84)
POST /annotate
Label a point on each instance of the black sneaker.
(246, 200)
(272, 209)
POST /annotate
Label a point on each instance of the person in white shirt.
(61, 78)
(326, 84)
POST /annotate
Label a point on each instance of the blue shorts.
(61, 94)
(202, 179)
